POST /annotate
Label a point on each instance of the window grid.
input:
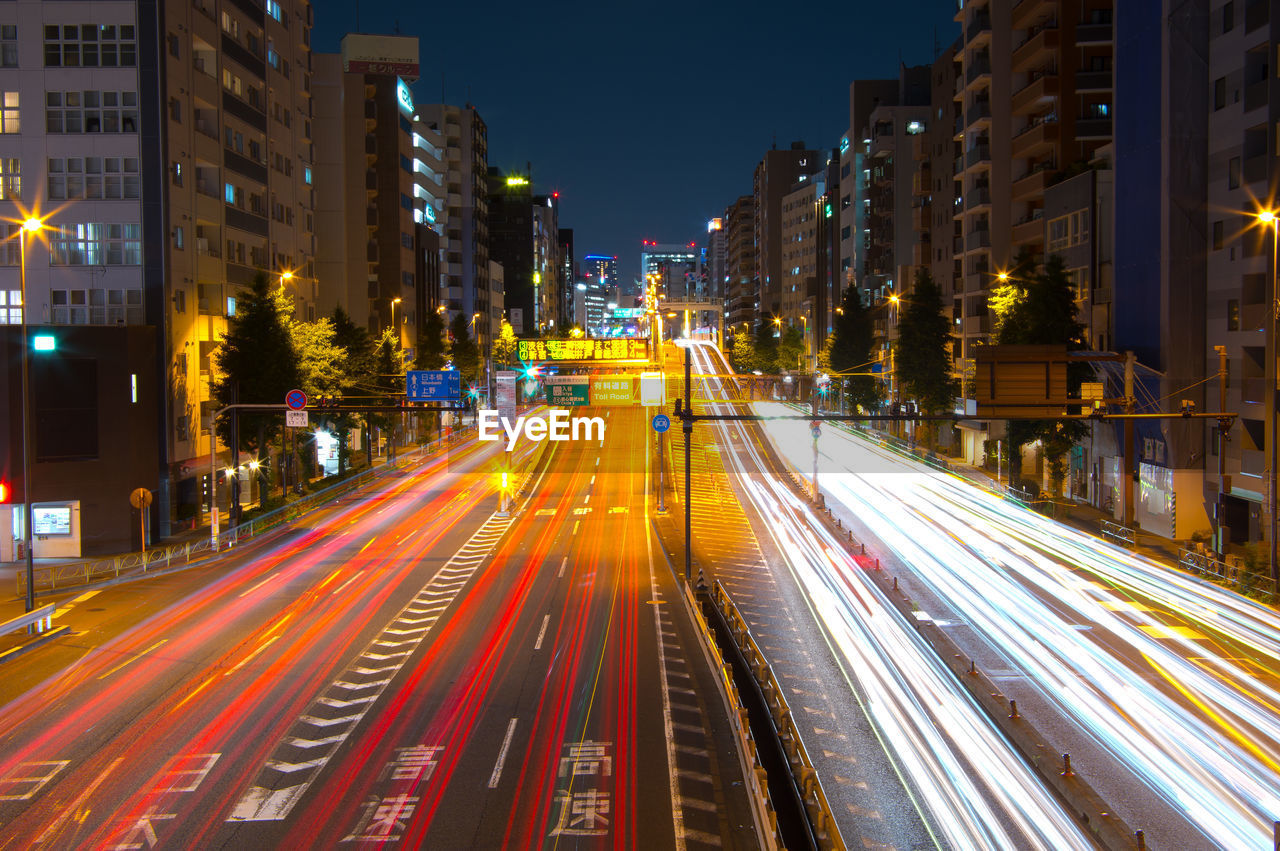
(94, 178)
(91, 112)
(96, 307)
(89, 46)
(8, 46)
(9, 114)
(95, 244)
(10, 179)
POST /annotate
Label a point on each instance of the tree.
(503, 351)
(357, 374)
(431, 343)
(852, 344)
(766, 345)
(922, 353)
(1040, 309)
(387, 383)
(743, 353)
(791, 349)
(463, 351)
(320, 367)
(256, 363)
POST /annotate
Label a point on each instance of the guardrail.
(69, 575)
(1119, 533)
(41, 619)
(825, 829)
(754, 773)
(1233, 572)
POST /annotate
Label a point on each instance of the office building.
(740, 264)
(775, 175)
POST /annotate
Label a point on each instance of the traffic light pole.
(28, 492)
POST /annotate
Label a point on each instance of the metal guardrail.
(69, 575)
(1119, 533)
(825, 829)
(1232, 572)
(41, 619)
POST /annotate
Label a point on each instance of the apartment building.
(810, 280)
(775, 175)
(864, 96)
(467, 288)
(739, 266)
(547, 281)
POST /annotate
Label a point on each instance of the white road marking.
(537, 645)
(75, 805)
(564, 561)
(260, 584)
(593, 481)
(134, 659)
(263, 646)
(506, 743)
(345, 584)
(50, 767)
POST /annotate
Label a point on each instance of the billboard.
(392, 55)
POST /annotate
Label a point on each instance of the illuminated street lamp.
(1269, 219)
(394, 302)
(286, 276)
(31, 225)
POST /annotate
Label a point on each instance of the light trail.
(978, 791)
(1204, 737)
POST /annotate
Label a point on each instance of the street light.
(1268, 218)
(394, 302)
(30, 225)
(286, 276)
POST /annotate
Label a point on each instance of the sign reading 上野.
(537, 351)
(567, 390)
(615, 390)
(433, 385)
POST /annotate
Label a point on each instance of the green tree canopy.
(504, 347)
(791, 349)
(743, 353)
(431, 343)
(256, 363)
(852, 343)
(766, 345)
(922, 352)
(463, 350)
(357, 376)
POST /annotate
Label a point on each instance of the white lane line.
(263, 646)
(677, 799)
(502, 755)
(598, 460)
(537, 645)
(593, 481)
(345, 584)
(563, 562)
(586, 499)
(260, 584)
(575, 526)
(133, 659)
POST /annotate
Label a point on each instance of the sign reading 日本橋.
(537, 351)
(433, 385)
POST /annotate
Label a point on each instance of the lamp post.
(1269, 218)
(394, 302)
(31, 225)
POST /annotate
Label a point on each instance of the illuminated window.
(10, 179)
(9, 119)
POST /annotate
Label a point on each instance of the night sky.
(648, 119)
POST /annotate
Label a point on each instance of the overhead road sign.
(567, 390)
(596, 351)
(433, 385)
(615, 390)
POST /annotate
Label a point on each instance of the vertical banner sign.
(506, 393)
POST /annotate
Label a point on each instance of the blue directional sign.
(661, 423)
(433, 385)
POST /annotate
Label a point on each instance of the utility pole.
(686, 426)
(1130, 465)
(1223, 532)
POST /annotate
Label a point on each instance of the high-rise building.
(740, 264)
(810, 246)
(864, 96)
(568, 276)
(546, 262)
(368, 201)
(510, 225)
(466, 238)
(775, 175)
(603, 268)
(715, 252)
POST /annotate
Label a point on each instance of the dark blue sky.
(648, 118)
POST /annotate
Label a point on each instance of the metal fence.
(56, 577)
(1232, 572)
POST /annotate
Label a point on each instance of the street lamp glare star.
(32, 225)
(1267, 217)
(1003, 277)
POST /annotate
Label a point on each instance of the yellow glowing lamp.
(1267, 217)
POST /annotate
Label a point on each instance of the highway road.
(923, 740)
(407, 669)
(1165, 689)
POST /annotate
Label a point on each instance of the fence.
(1232, 572)
(49, 578)
(1122, 535)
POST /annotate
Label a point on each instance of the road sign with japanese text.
(433, 385)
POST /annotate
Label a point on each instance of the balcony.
(1093, 81)
(978, 69)
(1032, 184)
(978, 239)
(1029, 231)
(921, 254)
(1040, 137)
(977, 325)
(1028, 12)
(1255, 169)
(979, 29)
(1039, 48)
(1093, 34)
(1093, 128)
(980, 111)
(977, 154)
(977, 198)
(920, 218)
(957, 245)
(920, 183)
(1255, 95)
(1032, 97)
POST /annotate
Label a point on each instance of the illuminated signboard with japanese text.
(538, 351)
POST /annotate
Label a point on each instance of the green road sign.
(567, 394)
